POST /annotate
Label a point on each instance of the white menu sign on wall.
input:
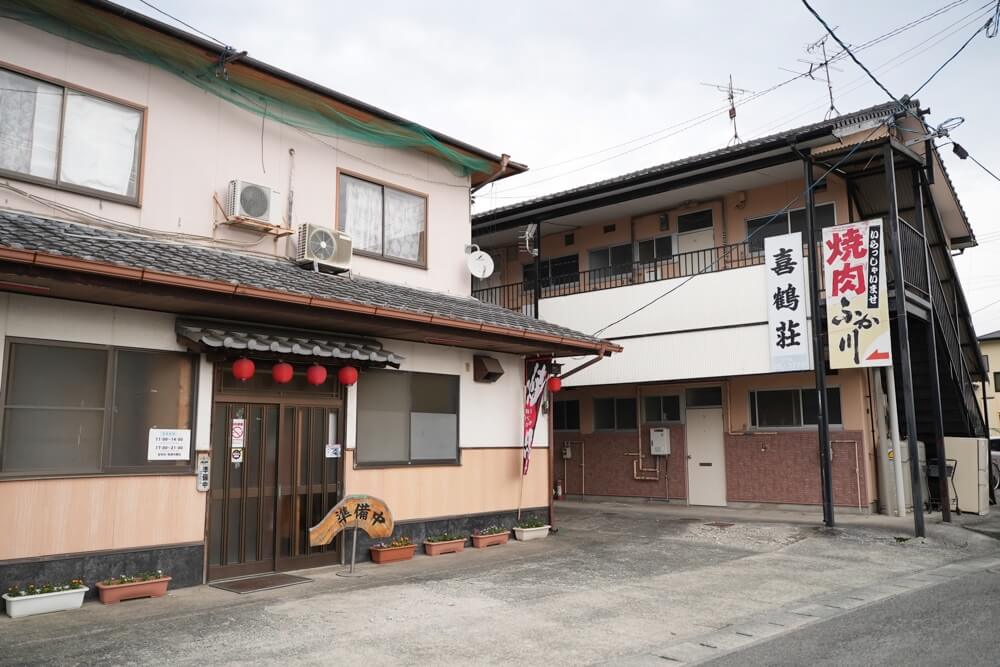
(169, 444)
(788, 337)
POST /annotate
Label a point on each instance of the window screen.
(407, 417)
(68, 137)
(76, 410)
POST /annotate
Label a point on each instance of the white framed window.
(68, 138)
(383, 221)
(792, 408)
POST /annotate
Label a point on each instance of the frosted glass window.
(383, 221)
(30, 111)
(68, 137)
(100, 145)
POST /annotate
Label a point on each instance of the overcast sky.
(549, 82)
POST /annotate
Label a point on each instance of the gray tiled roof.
(27, 232)
(221, 336)
(877, 111)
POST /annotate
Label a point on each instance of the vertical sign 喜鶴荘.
(788, 339)
(857, 307)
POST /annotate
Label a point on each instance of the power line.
(849, 52)
(989, 305)
(186, 25)
(985, 27)
(784, 210)
(705, 117)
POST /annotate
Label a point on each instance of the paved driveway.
(618, 583)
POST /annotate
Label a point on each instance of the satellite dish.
(480, 263)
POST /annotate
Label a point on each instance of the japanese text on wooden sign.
(857, 307)
(786, 303)
(366, 512)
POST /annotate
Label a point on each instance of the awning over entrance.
(237, 337)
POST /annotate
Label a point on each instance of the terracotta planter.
(392, 554)
(112, 593)
(483, 541)
(449, 547)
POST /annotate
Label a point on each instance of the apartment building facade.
(669, 263)
(181, 391)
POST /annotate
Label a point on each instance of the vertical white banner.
(788, 335)
(857, 306)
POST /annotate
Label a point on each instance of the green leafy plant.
(530, 522)
(401, 541)
(490, 530)
(444, 537)
(16, 591)
(133, 578)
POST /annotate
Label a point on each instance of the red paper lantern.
(555, 384)
(315, 375)
(243, 369)
(347, 375)
(282, 372)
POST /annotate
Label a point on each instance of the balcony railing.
(913, 253)
(520, 296)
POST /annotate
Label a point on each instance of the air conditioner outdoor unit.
(321, 246)
(248, 200)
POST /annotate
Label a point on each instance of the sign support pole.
(903, 332)
(819, 358)
(354, 556)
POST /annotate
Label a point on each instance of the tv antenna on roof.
(815, 67)
(731, 94)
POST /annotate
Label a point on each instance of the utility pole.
(903, 333)
(819, 355)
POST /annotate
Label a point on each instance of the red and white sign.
(238, 430)
(534, 389)
(857, 307)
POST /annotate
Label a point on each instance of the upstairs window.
(613, 261)
(555, 271)
(58, 136)
(783, 408)
(785, 223)
(384, 222)
(654, 250)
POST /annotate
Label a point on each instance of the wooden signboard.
(357, 511)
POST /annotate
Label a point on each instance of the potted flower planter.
(383, 555)
(532, 533)
(111, 591)
(481, 541)
(42, 603)
(438, 547)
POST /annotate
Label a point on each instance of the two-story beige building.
(668, 262)
(196, 366)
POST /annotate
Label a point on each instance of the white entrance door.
(703, 239)
(706, 457)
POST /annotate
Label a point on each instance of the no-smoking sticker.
(238, 432)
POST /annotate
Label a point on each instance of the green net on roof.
(247, 88)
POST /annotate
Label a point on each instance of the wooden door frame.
(281, 401)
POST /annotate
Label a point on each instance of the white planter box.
(525, 534)
(29, 605)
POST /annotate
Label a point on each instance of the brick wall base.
(602, 464)
(783, 467)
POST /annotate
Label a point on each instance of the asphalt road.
(953, 624)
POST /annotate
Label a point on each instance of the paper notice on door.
(333, 451)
